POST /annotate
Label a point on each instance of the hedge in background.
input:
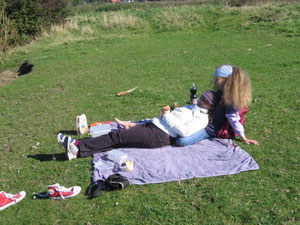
(22, 19)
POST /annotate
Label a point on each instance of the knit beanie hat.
(224, 71)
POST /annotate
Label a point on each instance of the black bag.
(113, 182)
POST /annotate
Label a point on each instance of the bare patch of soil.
(9, 76)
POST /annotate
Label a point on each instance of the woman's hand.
(249, 141)
(165, 110)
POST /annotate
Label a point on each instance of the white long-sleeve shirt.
(183, 121)
(234, 121)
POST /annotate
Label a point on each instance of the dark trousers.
(142, 136)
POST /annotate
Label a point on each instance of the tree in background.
(7, 30)
(24, 17)
(52, 11)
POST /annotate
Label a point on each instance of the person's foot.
(7, 199)
(56, 191)
(81, 124)
(72, 149)
(69, 144)
(124, 124)
(61, 139)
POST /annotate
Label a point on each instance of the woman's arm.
(249, 141)
(234, 121)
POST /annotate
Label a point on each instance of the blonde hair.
(237, 90)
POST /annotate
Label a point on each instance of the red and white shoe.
(81, 124)
(56, 191)
(7, 199)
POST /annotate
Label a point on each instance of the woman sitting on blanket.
(233, 94)
(161, 131)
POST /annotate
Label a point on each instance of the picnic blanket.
(210, 157)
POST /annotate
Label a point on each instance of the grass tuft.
(65, 28)
(120, 20)
(86, 30)
(178, 18)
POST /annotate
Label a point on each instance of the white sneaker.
(61, 139)
(7, 199)
(72, 149)
(56, 191)
(81, 124)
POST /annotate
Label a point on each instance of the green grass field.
(80, 68)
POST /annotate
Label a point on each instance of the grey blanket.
(211, 157)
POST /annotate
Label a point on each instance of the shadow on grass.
(49, 157)
(67, 132)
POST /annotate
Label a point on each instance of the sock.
(77, 144)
